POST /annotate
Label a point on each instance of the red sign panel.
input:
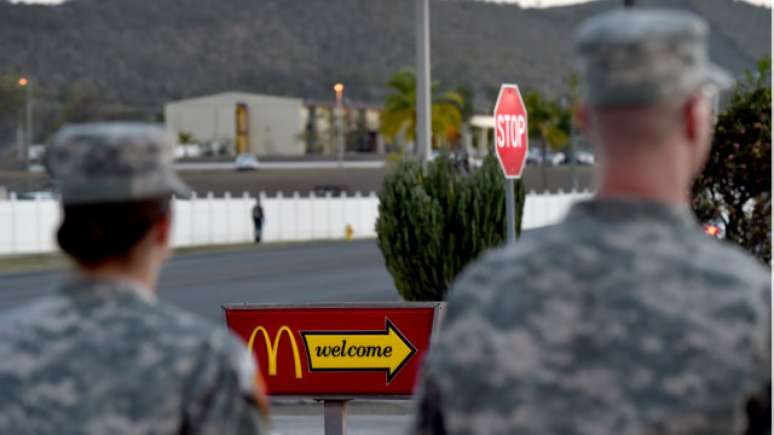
(511, 131)
(344, 350)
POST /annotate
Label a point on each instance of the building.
(360, 122)
(240, 122)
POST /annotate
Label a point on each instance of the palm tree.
(400, 108)
(549, 121)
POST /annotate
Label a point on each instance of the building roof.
(236, 96)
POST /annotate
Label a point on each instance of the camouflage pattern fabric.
(103, 357)
(624, 319)
(110, 162)
(643, 56)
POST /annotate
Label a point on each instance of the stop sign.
(511, 141)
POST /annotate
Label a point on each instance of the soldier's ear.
(697, 116)
(690, 115)
(163, 230)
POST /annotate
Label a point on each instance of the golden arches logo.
(273, 347)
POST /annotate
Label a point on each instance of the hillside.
(143, 52)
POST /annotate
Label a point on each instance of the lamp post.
(25, 83)
(423, 121)
(339, 89)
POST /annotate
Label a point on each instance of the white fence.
(28, 226)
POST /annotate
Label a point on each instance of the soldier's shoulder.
(46, 309)
(507, 261)
(725, 258)
(527, 264)
(195, 329)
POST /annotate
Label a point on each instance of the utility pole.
(339, 88)
(27, 85)
(423, 122)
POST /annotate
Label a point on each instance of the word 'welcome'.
(360, 351)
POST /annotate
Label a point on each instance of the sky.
(528, 3)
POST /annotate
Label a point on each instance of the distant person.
(100, 354)
(258, 220)
(624, 319)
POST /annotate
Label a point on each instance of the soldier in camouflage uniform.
(101, 355)
(624, 319)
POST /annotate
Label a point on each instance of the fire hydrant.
(348, 232)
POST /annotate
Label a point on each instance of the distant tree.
(550, 122)
(11, 95)
(185, 137)
(466, 110)
(310, 134)
(82, 103)
(735, 186)
(400, 107)
(361, 130)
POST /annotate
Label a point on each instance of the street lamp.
(24, 82)
(339, 89)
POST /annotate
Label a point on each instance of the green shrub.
(433, 222)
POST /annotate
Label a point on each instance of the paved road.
(325, 272)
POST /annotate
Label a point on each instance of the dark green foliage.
(434, 222)
(161, 50)
(736, 184)
(11, 96)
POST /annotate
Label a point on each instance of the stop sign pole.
(511, 146)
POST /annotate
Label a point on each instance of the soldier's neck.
(643, 182)
(141, 275)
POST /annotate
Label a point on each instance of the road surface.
(201, 283)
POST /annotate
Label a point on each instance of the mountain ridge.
(142, 53)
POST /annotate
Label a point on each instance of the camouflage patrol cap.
(113, 162)
(638, 56)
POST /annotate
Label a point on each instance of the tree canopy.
(735, 186)
(400, 108)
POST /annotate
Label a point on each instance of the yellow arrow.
(386, 351)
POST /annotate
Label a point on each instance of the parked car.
(333, 189)
(584, 157)
(534, 156)
(246, 162)
(555, 158)
(38, 195)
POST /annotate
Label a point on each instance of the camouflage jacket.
(103, 357)
(624, 319)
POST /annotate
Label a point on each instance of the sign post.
(336, 353)
(511, 146)
(335, 417)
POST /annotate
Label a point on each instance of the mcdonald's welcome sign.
(342, 350)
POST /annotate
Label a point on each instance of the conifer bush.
(434, 221)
